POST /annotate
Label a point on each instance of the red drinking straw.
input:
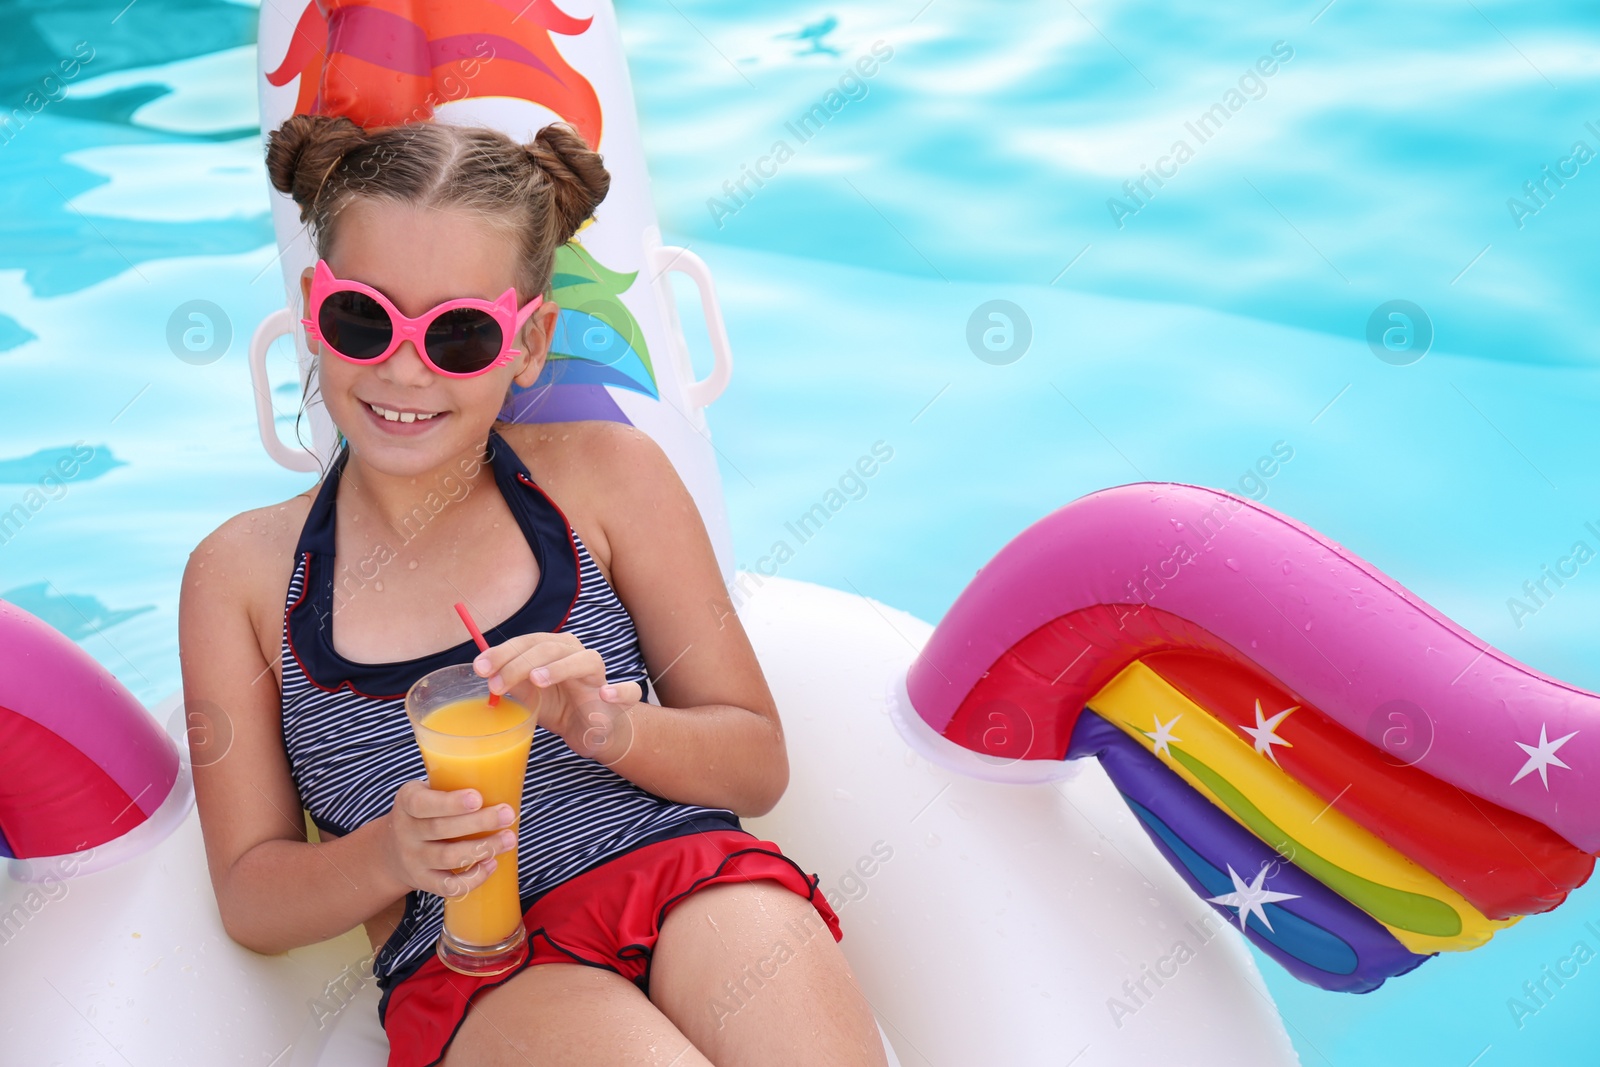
(477, 636)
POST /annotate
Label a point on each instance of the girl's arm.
(275, 890)
(718, 740)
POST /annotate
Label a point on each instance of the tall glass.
(466, 744)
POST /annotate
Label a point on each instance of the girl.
(303, 625)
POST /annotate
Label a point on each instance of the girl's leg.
(560, 1014)
(751, 974)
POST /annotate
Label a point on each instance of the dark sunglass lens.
(355, 325)
(463, 340)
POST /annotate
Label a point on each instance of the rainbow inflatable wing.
(1352, 778)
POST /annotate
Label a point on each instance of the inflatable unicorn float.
(1328, 767)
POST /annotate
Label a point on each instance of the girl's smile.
(402, 421)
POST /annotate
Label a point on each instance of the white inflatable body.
(1023, 923)
(1000, 929)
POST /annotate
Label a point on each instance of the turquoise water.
(1225, 314)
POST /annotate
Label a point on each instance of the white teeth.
(401, 416)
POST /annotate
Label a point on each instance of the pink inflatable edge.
(1338, 632)
(49, 679)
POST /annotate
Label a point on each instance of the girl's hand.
(421, 846)
(567, 683)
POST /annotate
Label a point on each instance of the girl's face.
(419, 258)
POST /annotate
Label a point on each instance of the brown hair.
(537, 194)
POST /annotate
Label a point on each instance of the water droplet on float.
(1287, 568)
(1176, 524)
(411, 566)
(1232, 564)
(934, 840)
(378, 586)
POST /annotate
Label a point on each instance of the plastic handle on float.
(280, 323)
(699, 393)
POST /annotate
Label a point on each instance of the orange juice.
(466, 744)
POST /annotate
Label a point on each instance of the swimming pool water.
(1178, 333)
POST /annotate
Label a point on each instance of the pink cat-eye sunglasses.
(458, 338)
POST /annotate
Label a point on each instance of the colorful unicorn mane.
(389, 62)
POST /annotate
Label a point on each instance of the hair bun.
(303, 152)
(578, 177)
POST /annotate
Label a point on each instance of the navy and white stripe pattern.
(350, 745)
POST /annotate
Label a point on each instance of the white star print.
(1542, 757)
(1249, 899)
(1162, 735)
(1263, 732)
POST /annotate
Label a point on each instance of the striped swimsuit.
(350, 745)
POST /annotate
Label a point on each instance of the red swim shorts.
(608, 916)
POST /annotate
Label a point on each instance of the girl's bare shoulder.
(594, 466)
(250, 557)
(581, 453)
(594, 470)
